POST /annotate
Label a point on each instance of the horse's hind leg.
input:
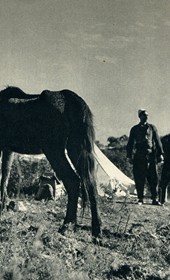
(7, 158)
(70, 180)
(74, 152)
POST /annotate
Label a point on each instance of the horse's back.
(58, 99)
(64, 95)
(68, 103)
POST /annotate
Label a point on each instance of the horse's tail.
(81, 141)
(86, 160)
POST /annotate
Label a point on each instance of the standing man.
(144, 150)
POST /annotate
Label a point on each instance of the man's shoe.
(140, 202)
(163, 205)
(155, 202)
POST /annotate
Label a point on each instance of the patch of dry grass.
(135, 243)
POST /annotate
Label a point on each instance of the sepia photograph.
(84, 139)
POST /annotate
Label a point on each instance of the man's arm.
(158, 143)
(130, 144)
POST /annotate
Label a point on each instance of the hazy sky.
(113, 53)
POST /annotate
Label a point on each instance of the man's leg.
(152, 177)
(139, 171)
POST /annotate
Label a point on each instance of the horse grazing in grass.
(49, 123)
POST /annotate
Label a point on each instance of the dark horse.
(165, 174)
(49, 123)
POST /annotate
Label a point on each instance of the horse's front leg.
(7, 158)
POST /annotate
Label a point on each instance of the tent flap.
(117, 180)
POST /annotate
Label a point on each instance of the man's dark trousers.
(144, 167)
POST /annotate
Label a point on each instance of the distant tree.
(117, 142)
(112, 140)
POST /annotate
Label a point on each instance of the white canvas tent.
(108, 174)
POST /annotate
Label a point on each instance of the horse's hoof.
(97, 240)
(67, 228)
(11, 206)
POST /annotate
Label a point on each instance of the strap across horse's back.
(22, 100)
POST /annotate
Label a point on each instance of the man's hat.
(141, 112)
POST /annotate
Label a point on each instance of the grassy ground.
(136, 242)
